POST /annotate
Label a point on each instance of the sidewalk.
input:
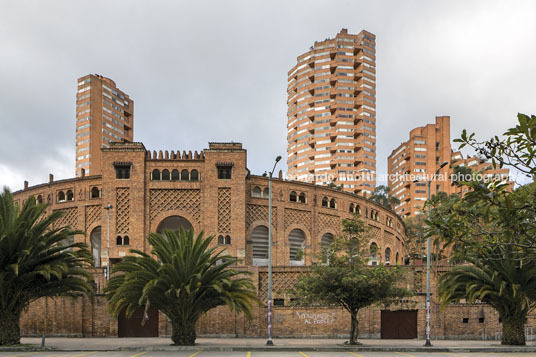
(259, 344)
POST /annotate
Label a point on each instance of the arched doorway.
(259, 237)
(174, 223)
(96, 245)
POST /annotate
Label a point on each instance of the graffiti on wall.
(316, 319)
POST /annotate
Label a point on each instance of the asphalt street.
(256, 354)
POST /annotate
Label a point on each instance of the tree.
(507, 284)
(346, 280)
(184, 281)
(416, 236)
(461, 174)
(517, 149)
(36, 260)
(489, 214)
(383, 197)
(334, 186)
(493, 230)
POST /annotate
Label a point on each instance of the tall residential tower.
(332, 113)
(415, 161)
(427, 148)
(104, 114)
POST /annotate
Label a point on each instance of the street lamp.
(428, 258)
(108, 207)
(270, 342)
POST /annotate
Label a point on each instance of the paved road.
(256, 354)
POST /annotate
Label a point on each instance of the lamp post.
(270, 342)
(108, 207)
(428, 343)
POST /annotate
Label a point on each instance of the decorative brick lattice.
(70, 218)
(187, 200)
(260, 213)
(93, 214)
(282, 282)
(297, 216)
(224, 210)
(122, 221)
(329, 221)
(375, 233)
(388, 238)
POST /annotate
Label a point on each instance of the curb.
(506, 349)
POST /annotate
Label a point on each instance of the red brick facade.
(197, 187)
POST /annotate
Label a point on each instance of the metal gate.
(399, 324)
(132, 327)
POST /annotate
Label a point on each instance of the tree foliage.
(37, 260)
(183, 278)
(383, 197)
(416, 236)
(507, 284)
(346, 280)
(494, 231)
(517, 149)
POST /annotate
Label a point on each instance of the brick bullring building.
(213, 191)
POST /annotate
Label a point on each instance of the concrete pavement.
(258, 344)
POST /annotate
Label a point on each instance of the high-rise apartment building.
(332, 113)
(427, 148)
(104, 114)
(415, 161)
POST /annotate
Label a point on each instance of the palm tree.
(36, 261)
(496, 276)
(186, 279)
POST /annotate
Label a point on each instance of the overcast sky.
(201, 71)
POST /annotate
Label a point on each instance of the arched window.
(173, 223)
(332, 203)
(184, 175)
(293, 197)
(221, 239)
(155, 175)
(296, 240)
(302, 198)
(95, 240)
(351, 208)
(325, 242)
(70, 195)
(266, 193)
(256, 192)
(227, 239)
(194, 175)
(165, 175)
(39, 199)
(175, 175)
(324, 201)
(126, 240)
(119, 240)
(68, 241)
(358, 209)
(373, 250)
(61, 196)
(95, 192)
(387, 255)
(259, 237)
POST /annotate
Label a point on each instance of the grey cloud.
(202, 71)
